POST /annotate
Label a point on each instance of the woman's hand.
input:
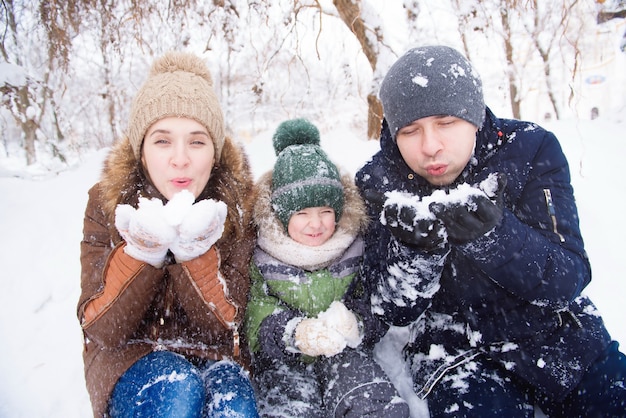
(147, 233)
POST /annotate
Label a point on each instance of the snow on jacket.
(293, 280)
(513, 295)
(166, 308)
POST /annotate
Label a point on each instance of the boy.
(309, 357)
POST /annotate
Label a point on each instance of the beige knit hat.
(179, 84)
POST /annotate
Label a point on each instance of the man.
(475, 243)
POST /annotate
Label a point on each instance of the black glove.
(405, 224)
(478, 215)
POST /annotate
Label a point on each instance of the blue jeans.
(166, 385)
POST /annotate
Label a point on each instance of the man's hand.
(411, 222)
(475, 215)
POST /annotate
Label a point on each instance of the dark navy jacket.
(513, 295)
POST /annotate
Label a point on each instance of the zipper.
(552, 212)
(236, 352)
(570, 314)
(442, 370)
(232, 326)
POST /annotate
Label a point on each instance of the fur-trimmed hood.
(123, 181)
(273, 238)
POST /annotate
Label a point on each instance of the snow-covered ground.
(41, 370)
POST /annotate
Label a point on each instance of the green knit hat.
(303, 175)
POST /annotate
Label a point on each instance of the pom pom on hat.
(428, 81)
(181, 61)
(179, 84)
(295, 132)
(303, 176)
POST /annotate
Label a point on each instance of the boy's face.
(312, 226)
(437, 147)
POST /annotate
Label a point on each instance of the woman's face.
(178, 153)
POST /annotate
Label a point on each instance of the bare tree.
(79, 61)
(539, 43)
(469, 20)
(547, 27)
(37, 40)
(501, 18)
(506, 18)
(350, 13)
(19, 94)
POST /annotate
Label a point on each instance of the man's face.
(437, 147)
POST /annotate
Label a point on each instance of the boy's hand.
(313, 337)
(342, 320)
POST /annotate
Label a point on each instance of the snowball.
(315, 338)
(178, 206)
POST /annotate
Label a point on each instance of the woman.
(166, 247)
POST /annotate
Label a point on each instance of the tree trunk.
(546, 72)
(350, 13)
(374, 116)
(29, 128)
(508, 49)
(28, 125)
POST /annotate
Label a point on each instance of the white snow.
(420, 80)
(339, 318)
(13, 75)
(318, 338)
(41, 223)
(178, 206)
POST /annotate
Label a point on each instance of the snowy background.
(41, 370)
(275, 72)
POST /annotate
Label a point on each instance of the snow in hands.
(186, 228)
(461, 195)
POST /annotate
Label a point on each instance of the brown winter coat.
(128, 308)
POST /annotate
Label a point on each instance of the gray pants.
(350, 384)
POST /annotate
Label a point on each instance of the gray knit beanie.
(429, 81)
(303, 176)
(181, 85)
